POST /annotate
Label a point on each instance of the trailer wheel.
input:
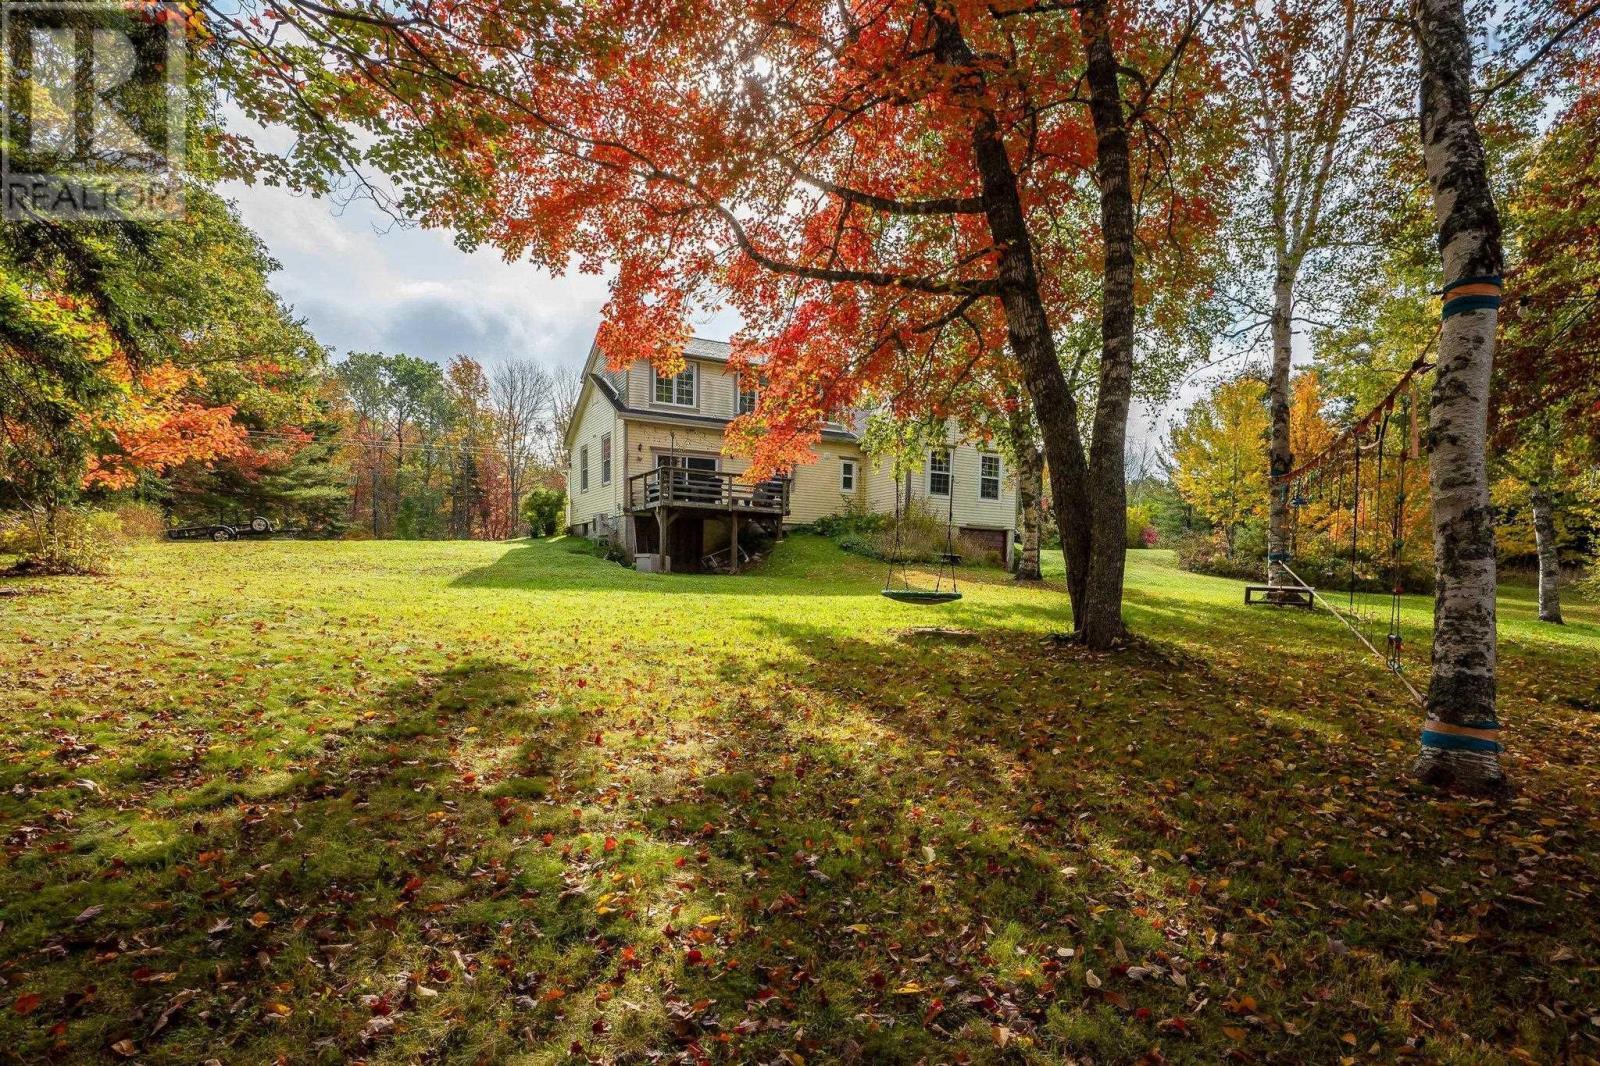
(260, 525)
(222, 533)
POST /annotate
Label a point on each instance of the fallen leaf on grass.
(175, 1004)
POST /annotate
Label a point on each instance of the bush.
(1587, 586)
(608, 547)
(1320, 563)
(542, 509)
(922, 537)
(140, 521)
(66, 540)
(1207, 553)
(854, 521)
(1141, 527)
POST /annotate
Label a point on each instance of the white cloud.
(365, 283)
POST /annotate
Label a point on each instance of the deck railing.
(676, 486)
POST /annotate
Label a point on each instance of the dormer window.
(676, 390)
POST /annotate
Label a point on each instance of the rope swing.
(904, 591)
(1363, 472)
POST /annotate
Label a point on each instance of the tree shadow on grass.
(850, 849)
(1264, 835)
(550, 567)
(265, 915)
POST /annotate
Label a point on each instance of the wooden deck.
(705, 490)
(668, 493)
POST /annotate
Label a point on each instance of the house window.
(747, 396)
(605, 459)
(939, 473)
(687, 462)
(988, 477)
(847, 475)
(583, 469)
(677, 391)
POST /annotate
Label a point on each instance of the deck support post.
(661, 527)
(733, 546)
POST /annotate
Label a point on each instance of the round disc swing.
(904, 591)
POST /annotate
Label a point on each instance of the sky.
(364, 283)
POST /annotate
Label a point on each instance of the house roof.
(701, 348)
(652, 414)
(694, 348)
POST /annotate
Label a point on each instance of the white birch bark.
(1311, 170)
(1281, 459)
(1030, 498)
(1544, 535)
(1458, 748)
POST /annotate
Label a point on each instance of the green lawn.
(467, 802)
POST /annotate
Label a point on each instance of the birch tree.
(1459, 745)
(1317, 81)
(1019, 439)
(566, 386)
(1546, 416)
(521, 392)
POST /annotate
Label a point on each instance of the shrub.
(140, 521)
(542, 509)
(1207, 553)
(608, 547)
(1588, 586)
(1320, 563)
(922, 537)
(854, 521)
(65, 540)
(1141, 530)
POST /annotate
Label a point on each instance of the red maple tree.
(890, 192)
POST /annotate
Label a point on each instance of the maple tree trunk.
(1544, 536)
(1108, 491)
(1280, 458)
(1459, 745)
(1028, 332)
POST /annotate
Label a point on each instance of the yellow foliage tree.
(1219, 455)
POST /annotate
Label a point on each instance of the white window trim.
(693, 370)
(998, 479)
(847, 466)
(607, 456)
(949, 471)
(583, 468)
(738, 395)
